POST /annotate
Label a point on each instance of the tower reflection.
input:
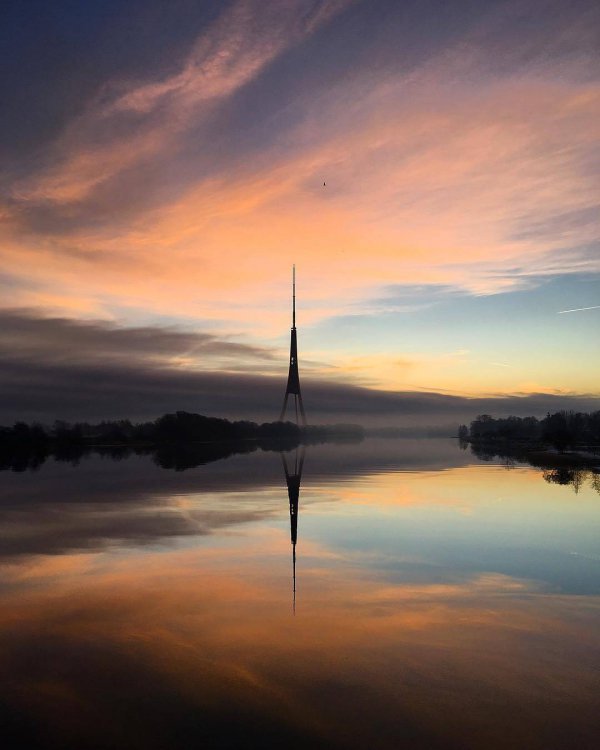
(292, 467)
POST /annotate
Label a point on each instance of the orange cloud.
(442, 214)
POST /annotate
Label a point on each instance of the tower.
(293, 382)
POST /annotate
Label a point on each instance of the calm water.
(441, 602)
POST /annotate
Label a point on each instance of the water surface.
(441, 602)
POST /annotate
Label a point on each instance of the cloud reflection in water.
(174, 628)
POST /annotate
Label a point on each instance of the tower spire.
(294, 296)
(293, 382)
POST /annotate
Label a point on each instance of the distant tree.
(482, 426)
(556, 430)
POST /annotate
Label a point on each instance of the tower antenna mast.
(294, 296)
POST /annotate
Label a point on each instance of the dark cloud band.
(56, 368)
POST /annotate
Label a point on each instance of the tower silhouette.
(293, 478)
(293, 382)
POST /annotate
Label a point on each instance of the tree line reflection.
(557, 468)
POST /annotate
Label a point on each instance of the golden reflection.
(136, 643)
(214, 627)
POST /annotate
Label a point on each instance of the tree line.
(178, 440)
(561, 430)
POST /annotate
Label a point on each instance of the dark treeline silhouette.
(528, 440)
(180, 440)
(562, 430)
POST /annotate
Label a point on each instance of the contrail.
(578, 309)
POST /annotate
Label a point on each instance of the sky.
(430, 167)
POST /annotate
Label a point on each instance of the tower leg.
(301, 411)
(283, 408)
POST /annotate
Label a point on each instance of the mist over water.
(442, 601)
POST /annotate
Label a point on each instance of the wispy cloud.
(25, 336)
(132, 122)
(578, 309)
(448, 138)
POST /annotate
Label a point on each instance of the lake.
(439, 601)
